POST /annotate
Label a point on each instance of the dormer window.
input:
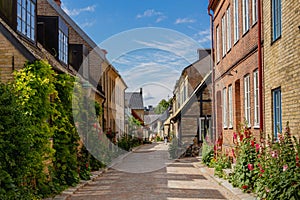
(53, 35)
(26, 16)
(62, 46)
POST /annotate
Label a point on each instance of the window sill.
(274, 41)
(245, 33)
(256, 126)
(230, 127)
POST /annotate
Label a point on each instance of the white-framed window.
(245, 15)
(247, 107)
(26, 14)
(224, 108)
(63, 47)
(223, 35)
(230, 107)
(256, 98)
(228, 18)
(236, 20)
(254, 11)
(217, 43)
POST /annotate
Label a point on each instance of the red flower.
(87, 165)
(234, 136)
(95, 125)
(245, 187)
(241, 137)
(285, 167)
(257, 147)
(232, 150)
(250, 167)
(252, 143)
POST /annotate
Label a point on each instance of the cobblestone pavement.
(147, 173)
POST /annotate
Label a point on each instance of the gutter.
(213, 73)
(260, 72)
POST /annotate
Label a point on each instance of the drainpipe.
(260, 72)
(213, 74)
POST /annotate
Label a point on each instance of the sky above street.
(148, 41)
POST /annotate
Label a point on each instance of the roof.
(134, 100)
(149, 119)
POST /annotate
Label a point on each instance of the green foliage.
(220, 163)
(207, 153)
(271, 169)
(36, 108)
(162, 106)
(127, 142)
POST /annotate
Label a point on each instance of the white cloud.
(203, 36)
(87, 24)
(152, 13)
(77, 11)
(184, 20)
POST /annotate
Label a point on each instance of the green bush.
(207, 153)
(174, 148)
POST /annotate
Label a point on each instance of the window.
(236, 20)
(277, 112)
(26, 18)
(223, 36)
(205, 129)
(254, 11)
(63, 47)
(245, 16)
(247, 99)
(230, 106)
(256, 99)
(224, 108)
(217, 44)
(228, 17)
(276, 19)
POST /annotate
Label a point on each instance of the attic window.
(26, 10)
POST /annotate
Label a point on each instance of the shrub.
(207, 153)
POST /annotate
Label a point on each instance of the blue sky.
(148, 41)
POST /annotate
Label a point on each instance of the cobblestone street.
(132, 178)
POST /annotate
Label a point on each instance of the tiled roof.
(134, 100)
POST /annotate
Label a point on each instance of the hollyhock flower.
(267, 190)
(252, 143)
(234, 136)
(232, 150)
(245, 187)
(250, 167)
(241, 138)
(257, 147)
(297, 161)
(274, 154)
(285, 167)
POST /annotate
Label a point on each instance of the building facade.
(236, 67)
(281, 66)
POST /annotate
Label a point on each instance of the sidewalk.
(236, 191)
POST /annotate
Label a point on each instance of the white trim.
(225, 121)
(256, 100)
(236, 20)
(254, 11)
(247, 106)
(230, 107)
(245, 9)
(217, 44)
(228, 18)
(224, 35)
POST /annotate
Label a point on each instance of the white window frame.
(236, 20)
(225, 108)
(230, 107)
(245, 7)
(254, 11)
(256, 98)
(228, 18)
(247, 105)
(224, 35)
(217, 44)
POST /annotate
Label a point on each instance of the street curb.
(236, 191)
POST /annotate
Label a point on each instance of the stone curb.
(236, 191)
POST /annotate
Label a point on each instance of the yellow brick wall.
(282, 65)
(9, 55)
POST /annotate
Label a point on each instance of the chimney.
(58, 2)
(141, 90)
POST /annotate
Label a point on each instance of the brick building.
(281, 66)
(236, 72)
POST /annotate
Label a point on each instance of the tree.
(162, 106)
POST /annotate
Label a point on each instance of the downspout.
(260, 72)
(213, 74)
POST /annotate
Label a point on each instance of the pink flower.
(250, 167)
(232, 150)
(234, 136)
(274, 154)
(285, 167)
(267, 190)
(257, 147)
(95, 125)
(241, 138)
